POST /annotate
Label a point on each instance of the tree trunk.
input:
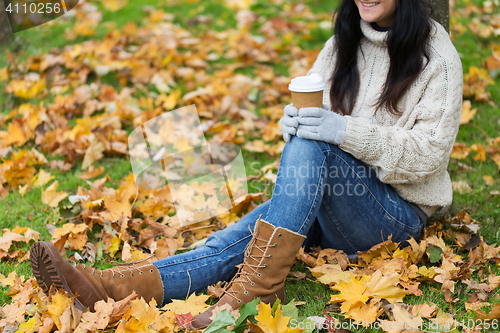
(5, 28)
(441, 13)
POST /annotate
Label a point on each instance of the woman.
(371, 163)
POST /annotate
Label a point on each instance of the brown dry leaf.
(332, 256)
(401, 315)
(91, 173)
(424, 310)
(297, 275)
(98, 320)
(74, 235)
(8, 237)
(445, 274)
(496, 159)
(493, 61)
(493, 314)
(216, 290)
(234, 312)
(93, 153)
(476, 305)
(494, 281)
(461, 186)
(306, 258)
(52, 198)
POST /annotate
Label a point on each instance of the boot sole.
(46, 270)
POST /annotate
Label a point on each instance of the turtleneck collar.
(376, 37)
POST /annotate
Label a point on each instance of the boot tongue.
(253, 254)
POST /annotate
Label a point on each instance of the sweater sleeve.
(410, 155)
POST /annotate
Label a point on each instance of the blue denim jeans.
(321, 192)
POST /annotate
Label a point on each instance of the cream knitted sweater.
(411, 152)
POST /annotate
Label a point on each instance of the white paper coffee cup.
(307, 91)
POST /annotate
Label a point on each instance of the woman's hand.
(320, 124)
(289, 122)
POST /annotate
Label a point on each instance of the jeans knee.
(299, 149)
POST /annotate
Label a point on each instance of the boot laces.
(245, 276)
(129, 267)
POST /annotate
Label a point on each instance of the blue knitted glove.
(322, 125)
(288, 122)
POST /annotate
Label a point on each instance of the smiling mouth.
(370, 4)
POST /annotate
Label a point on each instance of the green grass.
(484, 207)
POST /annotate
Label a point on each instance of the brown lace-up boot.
(90, 284)
(268, 258)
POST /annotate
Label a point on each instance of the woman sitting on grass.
(371, 163)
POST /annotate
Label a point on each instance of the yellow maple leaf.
(17, 135)
(351, 293)
(380, 251)
(51, 197)
(488, 180)
(385, 286)
(41, 178)
(58, 305)
(143, 317)
(239, 4)
(481, 153)
(277, 324)
(365, 313)
(9, 280)
(330, 274)
(23, 189)
(26, 89)
(4, 74)
(30, 326)
(460, 151)
(193, 304)
(114, 5)
(475, 83)
(115, 245)
(117, 209)
(467, 112)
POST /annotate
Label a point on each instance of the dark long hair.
(407, 46)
